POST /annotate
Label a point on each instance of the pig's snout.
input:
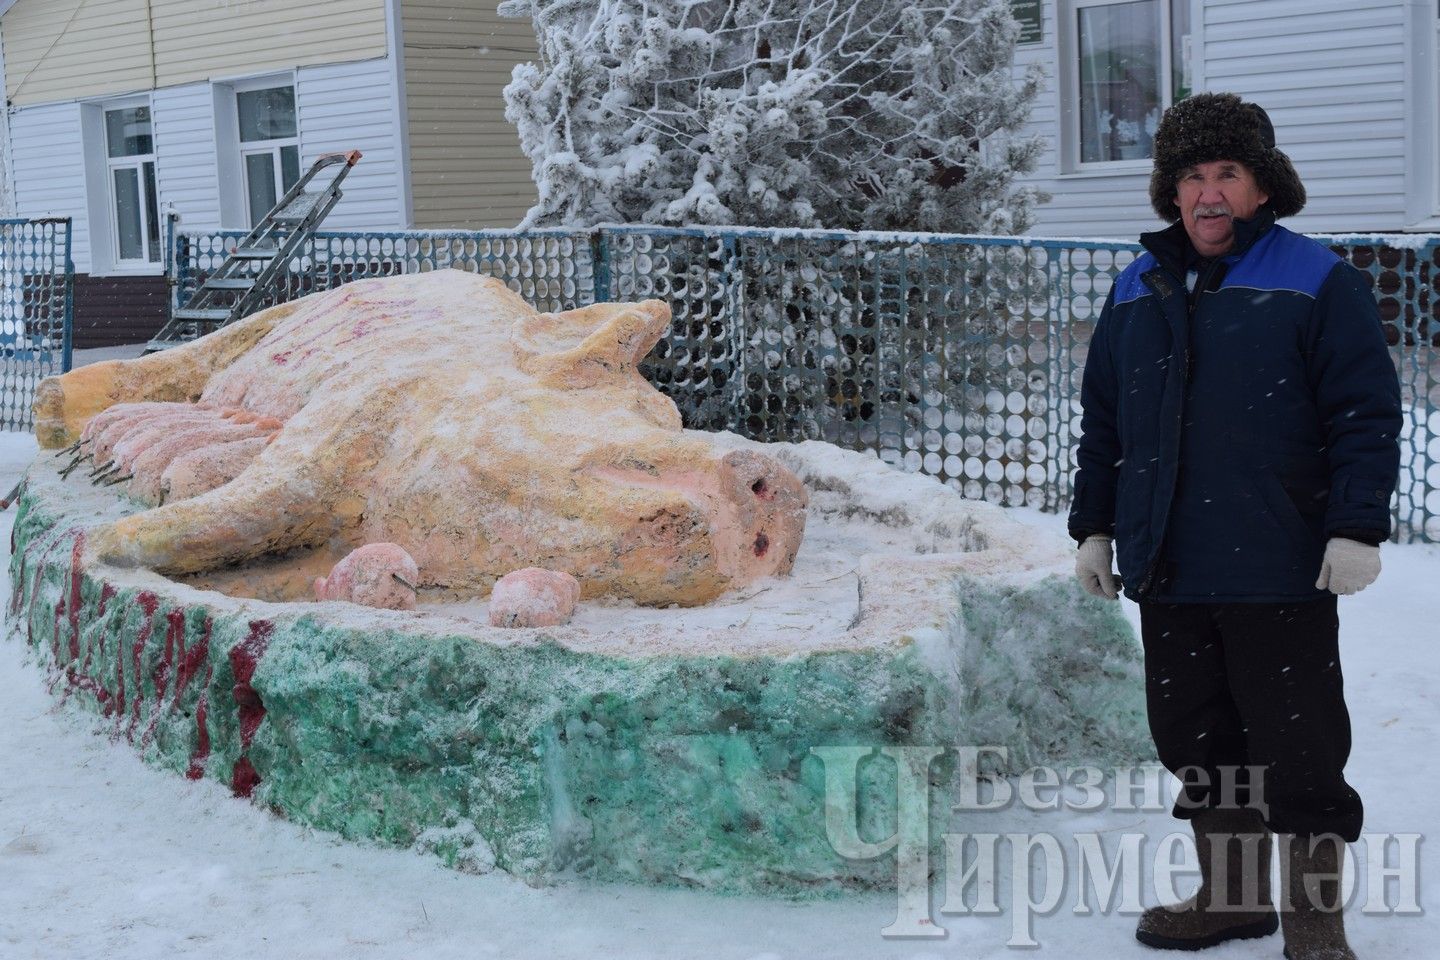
(740, 516)
(767, 504)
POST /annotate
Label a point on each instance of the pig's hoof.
(379, 575)
(533, 597)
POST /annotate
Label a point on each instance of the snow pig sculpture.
(436, 411)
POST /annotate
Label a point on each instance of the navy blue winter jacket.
(1229, 432)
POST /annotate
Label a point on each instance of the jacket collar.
(1171, 245)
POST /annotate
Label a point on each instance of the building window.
(134, 210)
(1129, 60)
(269, 146)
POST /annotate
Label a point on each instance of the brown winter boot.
(1312, 918)
(1233, 902)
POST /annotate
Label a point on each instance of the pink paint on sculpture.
(534, 598)
(153, 469)
(201, 470)
(376, 575)
(439, 412)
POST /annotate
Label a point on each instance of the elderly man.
(1240, 421)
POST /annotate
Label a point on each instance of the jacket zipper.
(1202, 283)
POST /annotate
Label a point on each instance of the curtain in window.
(1120, 91)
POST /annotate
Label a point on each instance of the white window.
(269, 146)
(130, 179)
(1125, 62)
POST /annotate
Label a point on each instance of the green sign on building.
(1028, 12)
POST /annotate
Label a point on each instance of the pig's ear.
(591, 345)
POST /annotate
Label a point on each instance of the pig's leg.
(157, 429)
(202, 470)
(274, 511)
(126, 442)
(148, 471)
(65, 403)
(120, 412)
(85, 448)
(102, 449)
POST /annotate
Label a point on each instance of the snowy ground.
(101, 856)
(80, 358)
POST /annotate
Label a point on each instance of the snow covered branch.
(862, 114)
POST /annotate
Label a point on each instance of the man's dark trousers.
(1253, 684)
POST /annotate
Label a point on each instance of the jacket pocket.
(1287, 515)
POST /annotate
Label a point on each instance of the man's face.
(1211, 196)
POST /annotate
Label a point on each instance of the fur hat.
(1221, 126)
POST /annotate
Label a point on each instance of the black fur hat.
(1221, 126)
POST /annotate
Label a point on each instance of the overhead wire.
(63, 30)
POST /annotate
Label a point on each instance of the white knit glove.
(1349, 567)
(1094, 566)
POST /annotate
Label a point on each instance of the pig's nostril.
(762, 544)
(760, 489)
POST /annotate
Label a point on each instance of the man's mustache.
(1213, 210)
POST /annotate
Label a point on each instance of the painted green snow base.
(1051, 673)
(545, 760)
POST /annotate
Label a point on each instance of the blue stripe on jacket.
(1223, 464)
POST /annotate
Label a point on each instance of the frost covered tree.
(858, 114)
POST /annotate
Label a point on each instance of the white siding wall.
(352, 107)
(1085, 204)
(1331, 74)
(49, 168)
(342, 107)
(185, 154)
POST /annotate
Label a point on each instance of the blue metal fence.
(956, 356)
(36, 284)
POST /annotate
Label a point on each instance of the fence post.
(733, 284)
(600, 259)
(1062, 378)
(68, 336)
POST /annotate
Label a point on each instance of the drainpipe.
(400, 116)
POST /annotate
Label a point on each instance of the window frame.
(1068, 43)
(272, 146)
(149, 193)
(229, 168)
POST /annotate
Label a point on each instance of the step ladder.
(251, 270)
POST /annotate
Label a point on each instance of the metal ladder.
(239, 285)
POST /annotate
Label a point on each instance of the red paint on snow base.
(174, 639)
(245, 656)
(178, 665)
(243, 778)
(190, 661)
(196, 770)
(79, 676)
(138, 689)
(76, 579)
(149, 603)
